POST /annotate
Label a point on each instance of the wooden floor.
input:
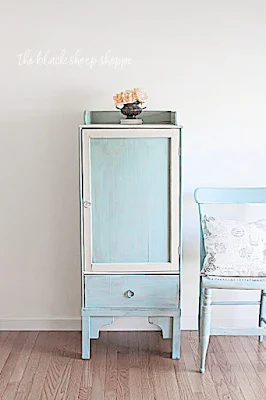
(128, 365)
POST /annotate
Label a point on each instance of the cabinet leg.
(165, 323)
(176, 338)
(86, 353)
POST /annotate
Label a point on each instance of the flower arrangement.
(131, 100)
(130, 96)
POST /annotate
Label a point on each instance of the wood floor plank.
(3, 337)
(85, 389)
(257, 359)
(48, 353)
(183, 380)
(168, 366)
(145, 362)
(99, 369)
(228, 373)
(183, 383)
(221, 387)
(55, 369)
(40, 347)
(157, 372)
(134, 367)
(86, 380)
(253, 355)
(206, 379)
(11, 361)
(258, 348)
(71, 372)
(194, 377)
(110, 385)
(198, 396)
(123, 392)
(261, 353)
(76, 369)
(134, 359)
(14, 381)
(70, 375)
(252, 377)
(6, 348)
(134, 383)
(263, 343)
(246, 389)
(66, 378)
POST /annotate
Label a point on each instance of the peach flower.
(140, 95)
(118, 98)
(130, 96)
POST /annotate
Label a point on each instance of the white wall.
(205, 59)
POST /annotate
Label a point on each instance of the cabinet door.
(130, 200)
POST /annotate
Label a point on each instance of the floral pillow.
(234, 248)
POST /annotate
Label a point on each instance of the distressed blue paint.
(227, 331)
(87, 117)
(176, 341)
(207, 283)
(114, 117)
(85, 337)
(180, 207)
(130, 200)
(233, 283)
(81, 216)
(93, 317)
(205, 324)
(262, 314)
(230, 195)
(149, 291)
(91, 326)
(170, 329)
(165, 324)
(235, 303)
(131, 312)
(97, 323)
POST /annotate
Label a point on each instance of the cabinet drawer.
(131, 291)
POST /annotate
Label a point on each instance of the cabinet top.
(111, 119)
(121, 126)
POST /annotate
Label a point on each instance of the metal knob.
(86, 204)
(129, 294)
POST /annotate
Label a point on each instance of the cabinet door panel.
(130, 197)
(130, 193)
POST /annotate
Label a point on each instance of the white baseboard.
(120, 324)
(40, 324)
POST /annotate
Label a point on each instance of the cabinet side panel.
(130, 200)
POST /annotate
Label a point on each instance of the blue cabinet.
(130, 203)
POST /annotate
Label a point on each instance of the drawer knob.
(129, 294)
